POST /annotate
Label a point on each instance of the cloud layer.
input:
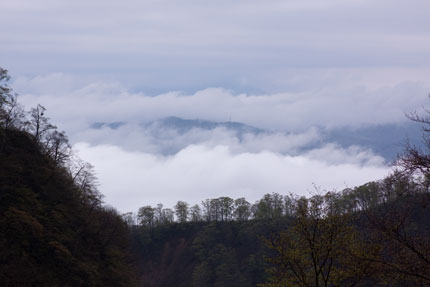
(133, 179)
(293, 67)
(332, 105)
(140, 161)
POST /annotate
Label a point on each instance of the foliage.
(401, 227)
(181, 210)
(321, 249)
(54, 230)
(222, 253)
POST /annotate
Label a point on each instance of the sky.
(292, 68)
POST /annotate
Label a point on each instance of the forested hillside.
(205, 253)
(54, 230)
(373, 235)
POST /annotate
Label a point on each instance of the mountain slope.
(51, 232)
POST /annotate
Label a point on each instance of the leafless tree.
(39, 125)
(11, 112)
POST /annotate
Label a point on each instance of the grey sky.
(289, 66)
(192, 45)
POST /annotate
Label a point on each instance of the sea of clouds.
(141, 161)
(293, 68)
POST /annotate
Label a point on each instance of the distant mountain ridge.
(386, 140)
(112, 125)
(185, 125)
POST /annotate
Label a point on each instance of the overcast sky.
(288, 66)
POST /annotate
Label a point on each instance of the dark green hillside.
(51, 233)
(54, 230)
(373, 235)
(205, 253)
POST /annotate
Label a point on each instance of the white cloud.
(283, 65)
(133, 179)
(158, 139)
(204, 164)
(335, 155)
(76, 104)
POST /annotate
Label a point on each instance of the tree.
(226, 205)
(215, 209)
(290, 204)
(241, 209)
(402, 218)
(130, 218)
(146, 216)
(5, 90)
(415, 159)
(39, 124)
(57, 147)
(218, 209)
(167, 216)
(181, 211)
(158, 214)
(400, 222)
(270, 206)
(11, 112)
(84, 178)
(207, 210)
(320, 249)
(195, 213)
